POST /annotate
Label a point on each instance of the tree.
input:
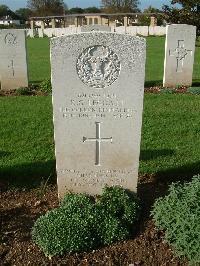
(76, 10)
(188, 13)
(120, 6)
(24, 13)
(92, 9)
(46, 7)
(5, 11)
(152, 9)
(145, 20)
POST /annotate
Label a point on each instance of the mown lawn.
(39, 62)
(170, 139)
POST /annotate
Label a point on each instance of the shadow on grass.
(35, 82)
(153, 83)
(29, 175)
(147, 155)
(196, 83)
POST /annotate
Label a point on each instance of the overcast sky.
(15, 4)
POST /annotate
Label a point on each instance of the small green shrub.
(23, 91)
(179, 215)
(121, 204)
(45, 86)
(66, 229)
(81, 224)
(194, 90)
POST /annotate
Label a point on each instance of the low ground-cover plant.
(45, 86)
(194, 90)
(23, 91)
(178, 214)
(82, 223)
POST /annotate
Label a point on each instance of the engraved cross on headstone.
(98, 141)
(11, 67)
(180, 53)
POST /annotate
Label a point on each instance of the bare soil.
(19, 210)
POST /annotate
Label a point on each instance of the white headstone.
(40, 33)
(143, 30)
(88, 28)
(13, 61)
(132, 30)
(120, 29)
(98, 87)
(31, 33)
(48, 32)
(179, 55)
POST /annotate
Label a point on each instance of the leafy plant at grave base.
(23, 91)
(179, 215)
(167, 91)
(45, 86)
(194, 90)
(81, 224)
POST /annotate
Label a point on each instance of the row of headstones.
(132, 30)
(178, 65)
(98, 88)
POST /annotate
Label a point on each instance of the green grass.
(26, 143)
(170, 139)
(171, 135)
(38, 59)
(39, 62)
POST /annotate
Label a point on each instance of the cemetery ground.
(169, 152)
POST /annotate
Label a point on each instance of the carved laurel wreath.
(98, 66)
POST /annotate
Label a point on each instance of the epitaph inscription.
(98, 66)
(98, 87)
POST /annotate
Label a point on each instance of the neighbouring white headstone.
(98, 88)
(143, 30)
(157, 31)
(132, 30)
(179, 55)
(13, 60)
(40, 33)
(120, 30)
(31, 33)
(88, 28)
(48, 32)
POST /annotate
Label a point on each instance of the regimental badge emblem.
(10, 39)
(98, 66)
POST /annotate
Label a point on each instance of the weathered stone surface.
(13, 63)
(179, 55)
(98, 87)
(88, 28)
